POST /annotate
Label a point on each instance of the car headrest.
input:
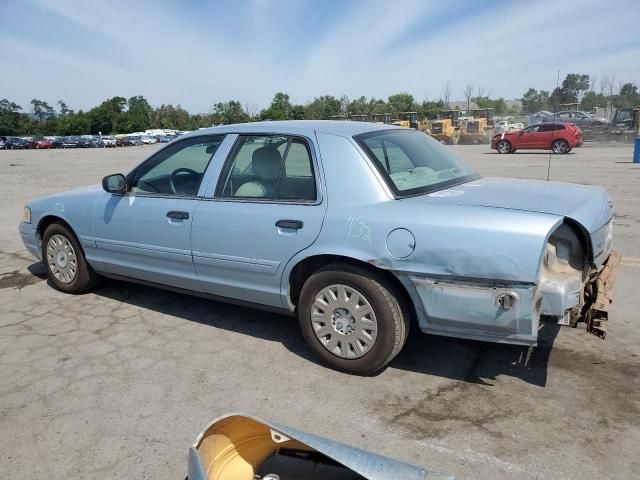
(265, 162)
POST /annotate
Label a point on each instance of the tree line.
(584, 90)
(122, 115)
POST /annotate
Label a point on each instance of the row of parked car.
(85, 141)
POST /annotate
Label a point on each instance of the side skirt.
(207, 296)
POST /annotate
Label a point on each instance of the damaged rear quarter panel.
(463, 259)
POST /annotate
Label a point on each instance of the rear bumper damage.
(510, 313)
(598, 295)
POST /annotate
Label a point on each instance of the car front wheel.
(560, 147)
(352, 318)
(64, 260)
(503, 146)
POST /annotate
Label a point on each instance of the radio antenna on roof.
(555, 112)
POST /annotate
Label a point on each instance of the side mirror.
(115, 183)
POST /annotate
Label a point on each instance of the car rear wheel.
(503, 146)
(352, 318)
(560, 147)
(64, 260)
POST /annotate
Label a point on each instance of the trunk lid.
(588, 205)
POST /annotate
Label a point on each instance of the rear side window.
(559, 127)
(268, 167)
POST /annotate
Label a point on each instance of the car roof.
(551, 123)
(298, 127)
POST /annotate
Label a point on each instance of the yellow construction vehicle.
(446, 128)
(480, 128)
(407, 120)
(382, 118)
(357, 117)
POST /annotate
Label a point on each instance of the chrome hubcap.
(344, 321)
(61, 259)
(559, 147)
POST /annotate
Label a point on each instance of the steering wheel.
(173, 179)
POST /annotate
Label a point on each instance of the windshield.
(413, 163)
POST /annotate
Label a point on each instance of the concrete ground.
(117, 383)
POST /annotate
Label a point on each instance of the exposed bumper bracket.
(599, 296)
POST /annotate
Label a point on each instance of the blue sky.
(196, 53)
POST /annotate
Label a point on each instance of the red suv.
(557, 137)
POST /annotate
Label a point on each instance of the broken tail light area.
(599, 295)
(240, 447)
(570, 289)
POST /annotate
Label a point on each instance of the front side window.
(268, 167)
(177, 169)
(413, 163)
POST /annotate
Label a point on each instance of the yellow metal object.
(235, 447)
(446, 128)
(480, 128)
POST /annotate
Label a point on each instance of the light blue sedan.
(354, 227)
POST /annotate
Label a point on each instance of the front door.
(532, 137)
(267, 206)
(146, 233)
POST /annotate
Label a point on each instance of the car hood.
(80, 196)
(588, 205)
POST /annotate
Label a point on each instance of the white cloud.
(171, 56)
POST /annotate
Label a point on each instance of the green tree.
(74, 124)
(498, 104)
(280, 108)
(11, 118)
(359, 106)
(41, 109)
(572, 85)
(401, 102)
(323, 108)
(63, 108)
(627, 96)
(229, 112)
(534, 100)
(591, 100)
(430, 109)
(377, 106)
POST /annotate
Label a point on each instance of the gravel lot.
(116, 383)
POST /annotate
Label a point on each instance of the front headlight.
(26, 215)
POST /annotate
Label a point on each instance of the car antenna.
(555, 112)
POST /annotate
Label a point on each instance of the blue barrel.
(636, 151)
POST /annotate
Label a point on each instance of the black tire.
(560, 147)
(387, 303)
(85, 277)
(505, 143)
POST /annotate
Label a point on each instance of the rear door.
(267, 206)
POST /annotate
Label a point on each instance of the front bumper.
(29, 237)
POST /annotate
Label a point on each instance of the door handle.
(294, 224)
(178, 215)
